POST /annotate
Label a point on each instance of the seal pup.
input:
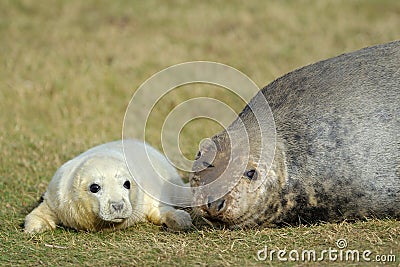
(95, 191)
(337, 154)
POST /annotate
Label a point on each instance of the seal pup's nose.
(117, 206)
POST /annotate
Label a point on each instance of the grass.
(69, 69)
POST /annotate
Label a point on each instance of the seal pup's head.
(95, 194)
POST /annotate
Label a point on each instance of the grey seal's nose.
(214, 208)
(117, 206)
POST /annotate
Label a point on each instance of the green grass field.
(69, 68)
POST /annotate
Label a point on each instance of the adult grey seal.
(337, 152)
(95, 191)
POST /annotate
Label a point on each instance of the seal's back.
(339, 120)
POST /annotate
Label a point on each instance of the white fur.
(69, 201)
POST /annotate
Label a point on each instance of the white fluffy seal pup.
(95, 191)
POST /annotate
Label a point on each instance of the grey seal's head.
(233, 178)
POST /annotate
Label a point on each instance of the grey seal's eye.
(251, 174)
(208, 165)
(94, 188)
(127, 185)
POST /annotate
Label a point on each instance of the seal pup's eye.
(127, 185)
(94, 188)
(198, 155)
(251, 174)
